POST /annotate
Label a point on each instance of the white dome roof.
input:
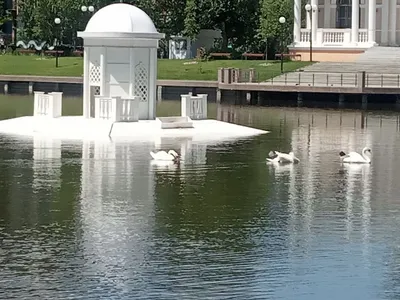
(121, 18)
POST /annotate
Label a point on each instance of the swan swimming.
(357, 158)
(162, 155)
(282, 158)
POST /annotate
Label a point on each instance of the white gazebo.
(120, 59)
(119, 89)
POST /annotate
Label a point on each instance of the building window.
(343, 13)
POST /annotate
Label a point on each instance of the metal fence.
(345, 79)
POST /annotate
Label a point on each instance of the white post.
(103, 66)
(371, 21)
(385, 22)
(392, 22)
(38, 103)
(203, 105)
(297, 21)
(55, 104)
(86, 85)
(314, 3)
(327, 14)
(355, 17)
(152, 84)
(185, 109)
(115, 103)
(97, 112)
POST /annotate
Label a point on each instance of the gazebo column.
(392, 22)
(132, 72)
(297, 21)
(103, 70)
(355, 17)
(152, 83)
(86, 85)
(371, 21)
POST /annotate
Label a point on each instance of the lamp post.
(282, 20)
(310, 9)
(89, 9)
(57, 21)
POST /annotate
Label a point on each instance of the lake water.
(98, 221)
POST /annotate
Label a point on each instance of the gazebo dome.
(121, 18)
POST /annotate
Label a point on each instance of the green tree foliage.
(244, 24)
(4, 16)
(236, 19)
(271, 11)
(167, 15)
(270, 29)
(192, 25)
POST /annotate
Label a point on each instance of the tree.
(192, 27)
(270, 28)
(236, 19)
(5, 16)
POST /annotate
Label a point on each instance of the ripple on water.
(220, 225)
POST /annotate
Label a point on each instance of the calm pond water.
(99, 221)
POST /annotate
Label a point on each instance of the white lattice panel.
(94, 74)
(96, 90)
(141, 82)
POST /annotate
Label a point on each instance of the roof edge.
(121, 35)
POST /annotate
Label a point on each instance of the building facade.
(342, 29)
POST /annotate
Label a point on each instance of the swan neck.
(366, 157)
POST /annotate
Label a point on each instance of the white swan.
(357, 158)
(279, 157)
(162, 155)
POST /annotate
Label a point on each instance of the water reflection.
(193, 157)
(116, 209)
(358, 189)
(46, 164)
(221, 224)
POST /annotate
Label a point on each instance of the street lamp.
(87, 8)
(57, 21)
(310, 9)
(282, 20)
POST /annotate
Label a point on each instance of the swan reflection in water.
(190, 154)
(358, 177)
(281, 169)
(164, 165)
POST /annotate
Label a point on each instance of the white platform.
(78, 127)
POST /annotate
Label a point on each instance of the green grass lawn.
(167, 69)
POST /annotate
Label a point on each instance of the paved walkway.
(382, 65)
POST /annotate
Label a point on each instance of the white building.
(341, 33)
(181, 47)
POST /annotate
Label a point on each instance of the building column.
(327, 14)
(297, 21)
(314, 28)
(152, 84)
(385, 22)
(371, 21)
(355, 17)
(392, 22)
(86, 84)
